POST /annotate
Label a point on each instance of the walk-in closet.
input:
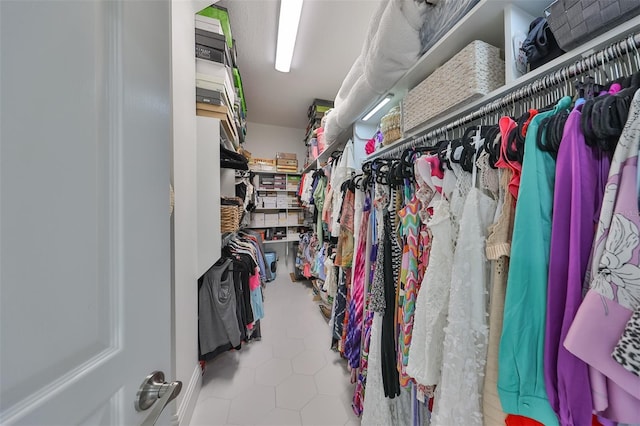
(319, 212)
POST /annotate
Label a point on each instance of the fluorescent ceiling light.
(288, 22)
(378, 107)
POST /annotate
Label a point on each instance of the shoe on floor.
(326, 311)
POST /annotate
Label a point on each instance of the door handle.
(154, 390)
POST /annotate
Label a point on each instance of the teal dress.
(520, 369)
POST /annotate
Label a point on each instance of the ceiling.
(330, 38)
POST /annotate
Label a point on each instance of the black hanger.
(335, 155)
(357, 180)
(551, 130)
(444, 160)
(406, 162)
(468, 149)
(394, 174)
(603, 118)
(492, 144)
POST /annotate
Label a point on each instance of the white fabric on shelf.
(391, 47)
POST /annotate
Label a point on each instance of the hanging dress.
(367, 320)
(432, 303)
(410, 225)
(467, 331)
(614, 284)
(521, 373)
(376, 408)
(356, 305)
(498, 249)
(581, 175)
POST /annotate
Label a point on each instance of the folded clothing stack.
(232, 160)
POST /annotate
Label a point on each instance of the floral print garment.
(614, 283)
(616, 272)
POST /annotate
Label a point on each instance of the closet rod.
(617, 50)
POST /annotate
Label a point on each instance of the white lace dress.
(458, 198)
(458, 396)
(432, 303)
(376, 407)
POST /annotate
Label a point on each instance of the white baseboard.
(188, 403)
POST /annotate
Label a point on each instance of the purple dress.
(581, 175)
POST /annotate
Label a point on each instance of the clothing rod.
(616, 50)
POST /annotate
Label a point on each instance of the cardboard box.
(282, 218)
(257, 219)
(211, 39)
(286, 162)
(293, 218)
(286, 156)
(292, 202)
(208, 24)
(288, 169)
(271, 219)
(267, 161)
(263, 164)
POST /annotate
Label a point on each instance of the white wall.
(208, 193)
(185, 321)
(363, 132)
(263, 141)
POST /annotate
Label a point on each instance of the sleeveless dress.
(432, 303)
(466, 334)
(410, 226)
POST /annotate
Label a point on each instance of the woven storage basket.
(573, 22)
(390, 126)
(472, 73)
(230, 215)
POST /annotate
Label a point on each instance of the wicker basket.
(573, 22)
(230, 215)
(472, 73)
(390, 127)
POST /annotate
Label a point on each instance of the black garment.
(232, 160)
(390, 378)
(243, 267)
(340, 309)
(217, 320)
(540, 46)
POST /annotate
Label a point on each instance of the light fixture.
(378, 107)
(288, 22)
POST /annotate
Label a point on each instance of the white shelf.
(262, 209)
(483, 22)
(275, 226)
(265, 172)
(276, 190)
(336, 146)
(287, 240)
(566, 59)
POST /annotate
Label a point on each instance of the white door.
(84, 208)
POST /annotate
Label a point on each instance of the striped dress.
(410, 229)
(356, 305)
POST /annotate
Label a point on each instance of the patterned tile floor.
(290, 377)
